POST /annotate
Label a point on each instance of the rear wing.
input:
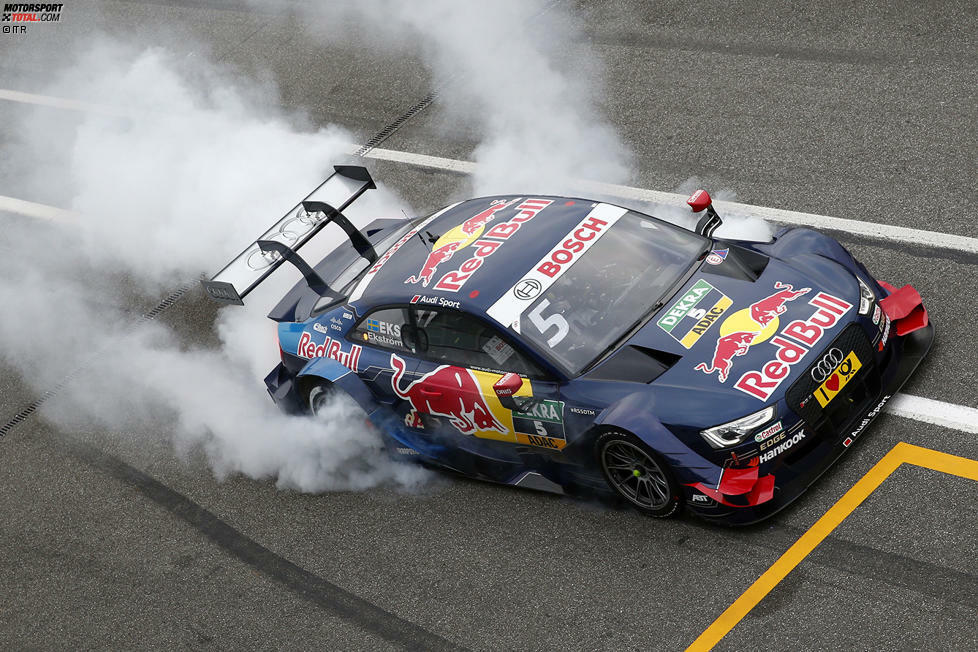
(280, 243)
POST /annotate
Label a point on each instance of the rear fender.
(333, 372)
(634, 414)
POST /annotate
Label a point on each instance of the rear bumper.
(827, 448)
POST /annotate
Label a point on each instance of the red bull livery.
(575, 346)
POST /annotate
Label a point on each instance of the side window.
(383, 328)
(460, 339)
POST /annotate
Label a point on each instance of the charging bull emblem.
(450, 392)
(431, 263)
(765, 310)
(728, 347)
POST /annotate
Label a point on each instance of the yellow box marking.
(846, 370)
(902, 453)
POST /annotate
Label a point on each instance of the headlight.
(731, 434)
(866, 297)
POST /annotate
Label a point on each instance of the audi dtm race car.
(575, 346)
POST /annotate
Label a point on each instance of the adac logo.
(748, 327)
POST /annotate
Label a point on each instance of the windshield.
(609, 289)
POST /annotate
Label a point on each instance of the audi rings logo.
(527, 288)
(827, 365)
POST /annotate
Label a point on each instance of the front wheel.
(638, 474)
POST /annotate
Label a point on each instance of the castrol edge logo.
(793, 343)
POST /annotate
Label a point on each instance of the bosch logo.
(827, 365)
(527, 288)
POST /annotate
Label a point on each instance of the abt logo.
(793, 343)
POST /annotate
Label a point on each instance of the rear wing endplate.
(280, 243)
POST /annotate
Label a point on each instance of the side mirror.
(506, 388)
(700, 201)
(508, 385)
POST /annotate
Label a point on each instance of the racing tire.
(319, 395)
(638, 474)
(323, 393)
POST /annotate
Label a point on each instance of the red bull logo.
(765, 310)
(793, 343)
(437, 256)
(331, 348)
(457, 238)
(749, 327)
(486, 246)
(473, 231)
(450, 392)
(728, 347)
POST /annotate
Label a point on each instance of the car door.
(385, 358)
(461, 358)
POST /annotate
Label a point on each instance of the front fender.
(792, 241)
(635, 413)
(332, 371)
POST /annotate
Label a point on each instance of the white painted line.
(423, 160)
(37, 211)
(871, 230)
(61, 103)
(948, 415)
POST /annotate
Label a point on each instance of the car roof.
(470, 253)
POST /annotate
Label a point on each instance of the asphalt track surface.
(856, 110)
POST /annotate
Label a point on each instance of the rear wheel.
(638, 474)
(329, 402)
(320, 395)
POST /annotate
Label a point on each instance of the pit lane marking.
(870, 230)
(902, 453)
(948, 415)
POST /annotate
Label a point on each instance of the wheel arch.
(319, 370)
(634, 414)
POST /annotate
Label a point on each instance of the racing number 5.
(542, 323)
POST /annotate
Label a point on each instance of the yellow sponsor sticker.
(543, 442)
(838, 379)
(714, 313)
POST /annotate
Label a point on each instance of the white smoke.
(193, 163)
(514, 72)
(190, 172)
(521, 75)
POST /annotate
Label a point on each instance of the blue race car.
(576, 346)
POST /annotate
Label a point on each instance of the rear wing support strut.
(360, 242)
(315, 281)
(281, 242)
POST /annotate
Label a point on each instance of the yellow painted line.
(899, 454)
